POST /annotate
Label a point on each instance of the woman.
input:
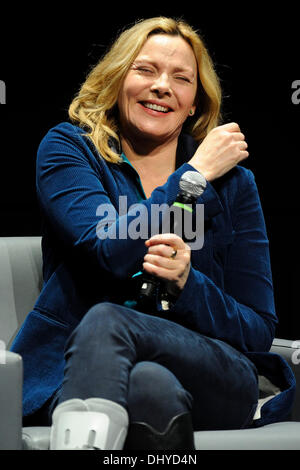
(146, 114)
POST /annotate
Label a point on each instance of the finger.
(167, 239)
(239, 136)
(162, 250)
(242, 145)
(231, 127)
(169, 252)
(161, 261)
(159, 271)
(244, 154)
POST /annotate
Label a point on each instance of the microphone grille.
(192, 182)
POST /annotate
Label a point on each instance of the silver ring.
(173, 254)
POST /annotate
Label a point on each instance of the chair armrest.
(290, 351)
(11, 382)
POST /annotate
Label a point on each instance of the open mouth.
(156, 107)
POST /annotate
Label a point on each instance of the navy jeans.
(158, 369)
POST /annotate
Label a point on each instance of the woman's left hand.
(169, 258)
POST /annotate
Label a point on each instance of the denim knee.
(100, 313)
(102, 317)
(155, 396)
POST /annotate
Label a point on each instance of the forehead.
(170, 48)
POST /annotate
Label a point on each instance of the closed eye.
(144, 69)
(185, 79)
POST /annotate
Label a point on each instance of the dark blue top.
(228, 294)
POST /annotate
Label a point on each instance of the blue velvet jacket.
(228, 294)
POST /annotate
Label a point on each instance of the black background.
(46, 52)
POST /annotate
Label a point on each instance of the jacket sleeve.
(241, 313)
(70, 191)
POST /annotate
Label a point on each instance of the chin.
(157, 135)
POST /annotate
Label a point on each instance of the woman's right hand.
(221, 150)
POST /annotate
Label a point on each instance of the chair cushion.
(20, 282)
(36, 438)
(276, 436)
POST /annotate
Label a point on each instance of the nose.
(161, 85)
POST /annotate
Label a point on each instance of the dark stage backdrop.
(46, 53)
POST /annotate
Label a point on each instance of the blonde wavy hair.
(94, 108)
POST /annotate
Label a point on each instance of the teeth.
(156, 107)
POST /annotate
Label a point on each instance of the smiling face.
(159, 90)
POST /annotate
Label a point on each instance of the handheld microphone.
(192, 184)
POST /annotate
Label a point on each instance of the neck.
(157, 157)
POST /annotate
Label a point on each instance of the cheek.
(187, 99)
(123, 101)
(132, 87)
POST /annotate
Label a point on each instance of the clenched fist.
(221, 150)
(159, 262)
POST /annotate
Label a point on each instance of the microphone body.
(192, 184)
